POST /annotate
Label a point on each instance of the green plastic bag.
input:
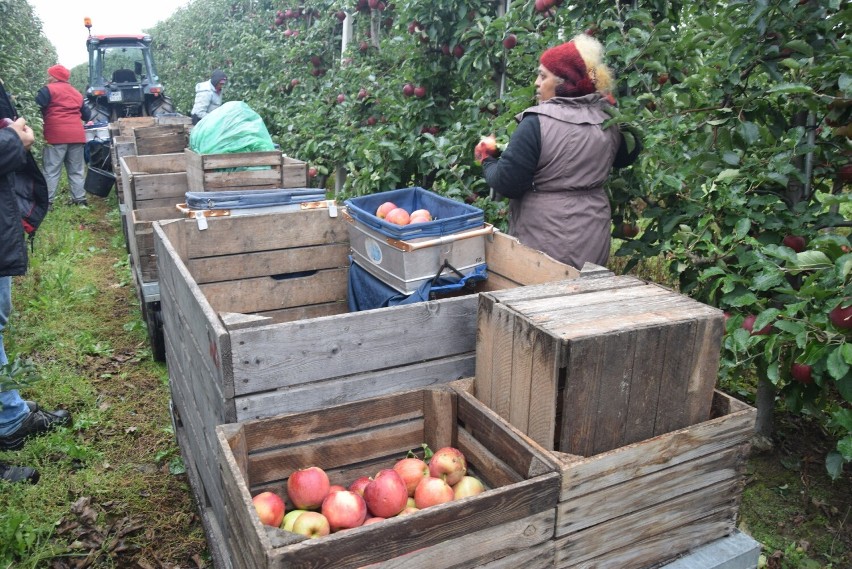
(233, 127)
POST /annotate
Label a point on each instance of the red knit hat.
(565, 62)
(59, 72)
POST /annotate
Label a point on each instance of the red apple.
(841, 316)
(372, 520)
(335, 488)
(344, 509)
(801, 373)
(308, 487)
(425, 213)
(408, 90)
(341, 97)
(510, 41)
(412, 470)
(487, 146)
(312, 524)
(458, 51)
(420, 91)
(448, 464)
(269, 507)
(431, 492)
(383, 210)
(468, 486)
(795, 242)
(408, 510)
(341, 15)
(386, 495)
(362, 93)
(398, 216)
(290, 519)
(312, 172)
(748, 324)
(294, 82)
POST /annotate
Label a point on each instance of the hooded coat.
(207, 99)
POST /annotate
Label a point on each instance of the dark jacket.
(553, 171)
(13, 245)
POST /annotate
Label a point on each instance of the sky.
(62, 21)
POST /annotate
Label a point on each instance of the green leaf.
(844, 387)
(742, 227)
(844, 446)
(812, 260)
(843, 419)
(834, 464)
(750, 132)
(790, 88)
(731, 158)
(845, 82)
(767, 279)
(801, 46)
(728, 174)
(836, 365)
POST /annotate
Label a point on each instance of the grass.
(111, 486)
(113, 492)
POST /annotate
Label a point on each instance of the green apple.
(290, 519)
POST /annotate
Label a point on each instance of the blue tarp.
(367, 292)
(236, 199)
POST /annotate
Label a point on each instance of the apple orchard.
(741, 195)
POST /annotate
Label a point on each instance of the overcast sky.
(62, 21)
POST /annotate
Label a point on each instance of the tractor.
(123, 81)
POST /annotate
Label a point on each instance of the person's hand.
(485, 148)
(25, 133)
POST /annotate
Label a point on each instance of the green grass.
(76, 315)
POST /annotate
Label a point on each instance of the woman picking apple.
(559, 157)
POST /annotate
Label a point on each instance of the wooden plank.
(266, 263)
(524, 543)
(234, 235)
(508, 258)
(238, 159)
(544, 387)
(560, 289)
(156, 164)
(582, 476)
(520, 384)
(582, 392)
(160, 186)
(294, 173)
(247, 179)
(485, 344)
(291, 353)
(634, 528)
(268, 293)
(440, 418)
(306, 312)
(704, 475)
(319, 395)
(503, 353)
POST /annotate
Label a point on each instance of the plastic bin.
(449, 216)
(99, 182)
(252, 198)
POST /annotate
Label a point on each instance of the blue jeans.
(13, 409)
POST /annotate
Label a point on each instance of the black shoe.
(11, 473)
(37, 422)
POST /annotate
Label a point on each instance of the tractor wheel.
(98, 113)
(162, 105)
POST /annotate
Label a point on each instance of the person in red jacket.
(64, 114)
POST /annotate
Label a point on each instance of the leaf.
(790, 88)
(728, 174)
(834, 464)
(750, 132)
(844, 387)
(802, 47)
(811, 260)
(768, 279)
(845, 82)
(836, 365)
(731, 158)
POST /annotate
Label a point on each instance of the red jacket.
(63, 112)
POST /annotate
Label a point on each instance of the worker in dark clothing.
(559, 157)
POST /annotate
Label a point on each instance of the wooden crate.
(648, 502)
(160, 139)
(244, 341)
(154, 181)
(120, 146)
(126, 125)
(266, 170)
(515, 513)
(592, 365)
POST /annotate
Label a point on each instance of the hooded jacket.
(207, 99)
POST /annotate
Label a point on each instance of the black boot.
(11, 473)
(37, 422)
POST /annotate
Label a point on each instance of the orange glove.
(487, 147)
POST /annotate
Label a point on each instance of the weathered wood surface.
(151, 183)
(273, 170)
(524, 266)
(513, 516)
(635, 359)
(235, 267)
(160, 139)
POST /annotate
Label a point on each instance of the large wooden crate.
(516, 512)
(154, 181)
(645, 503)
(256, 324)
(592, 365)
(160, 139)
(244, 170)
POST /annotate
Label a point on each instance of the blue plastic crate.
(449, 216)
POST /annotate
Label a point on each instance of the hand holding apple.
(486, 148)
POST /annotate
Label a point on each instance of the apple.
(269, 507)
(424, 213)
(290, 519)
(410, 502)
(386, 495)
(312, 172)
(662, 79)
(335, 488)
(748, 324)
(398, 216)
(294, 82)
(629, 230)
(795, 242)
(308, 487)
(801, 373)
(468, 486)
(408, 510)
(5, 121)
(363, 46)
(372, 520)
(412, 470)
(341, 97)
(359, 484)
(448, 464)
(431, 492)
(372, 121)
(420, 91)
(383, 210)
(316, 60)
(344, 510)
(312, 524)
(841, 316)
(510, 41)
(458, 51)
(487, 146)
(362, 93)
(341, 15)
(408, 90)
